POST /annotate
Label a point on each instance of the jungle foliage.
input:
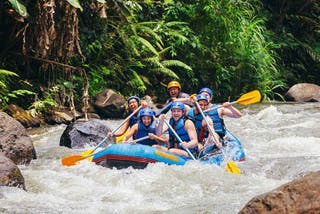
(137, 47)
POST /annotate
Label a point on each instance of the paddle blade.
(72, 160)
(249, 98)
(232, 168)
(120, 138)
(86, 153)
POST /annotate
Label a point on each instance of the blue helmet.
(208, 90)
(146, 112)
(134, 97)
(202, 97)
(177, 105)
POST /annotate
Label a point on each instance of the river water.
(282, 142)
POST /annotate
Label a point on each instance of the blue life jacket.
(218, 123)
(183, 134)
(133, 120)
(196, 119)
(144, 131)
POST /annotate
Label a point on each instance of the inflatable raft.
(138, 156)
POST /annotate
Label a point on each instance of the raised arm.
(131, 132)
(121, 131)
(229, 111)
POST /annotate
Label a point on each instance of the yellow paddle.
(73, 159)
(119, 139)
(246, 99)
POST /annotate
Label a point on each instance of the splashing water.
(282, 142)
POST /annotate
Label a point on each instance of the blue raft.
(138, 156)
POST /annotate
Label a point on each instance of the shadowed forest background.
(61, 53)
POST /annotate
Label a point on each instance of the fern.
(177, 63)
(165, 71)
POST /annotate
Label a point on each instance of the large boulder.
(303, 92)
(301, 195)
(79, 134)
(15, 143)
(10, 174)
(109, 104)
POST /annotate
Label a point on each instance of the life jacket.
(182, 133)
(144, 131)
(133, 120)
(218, 122)
(197, 120)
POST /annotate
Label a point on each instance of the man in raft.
(183, 127)
(201, 123)
(217, 114)
(133, 104)
(176, 95)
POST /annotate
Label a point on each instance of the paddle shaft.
(179, 139)
(165, 108)
(137, 140)
(219, 106)
(125, 120)
(210, 128)
(115, 130)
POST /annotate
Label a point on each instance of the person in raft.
(176, 95)
(183, 127)
(146, 126)
(200, 123)
(133, 103)
(217, 114)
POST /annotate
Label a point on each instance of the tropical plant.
(296, 27)
(235, 53)
(7, 95)
(47, 103)
(131, 55)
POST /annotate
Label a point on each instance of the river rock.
(10, 174)
(303, 92)
(79, 134)
(26, 118)
(15, 143)
(301, 195)
(109, 104)
(61, 116)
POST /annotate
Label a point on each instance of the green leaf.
(19, 8)
(168, 63)
(101, 1)
(148, 45)
(8, 73)
(75, 3)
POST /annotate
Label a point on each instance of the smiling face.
(176, 114)
(146, 120)
(133, 104)
(174, 91)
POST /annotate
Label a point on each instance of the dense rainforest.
(62, 52)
